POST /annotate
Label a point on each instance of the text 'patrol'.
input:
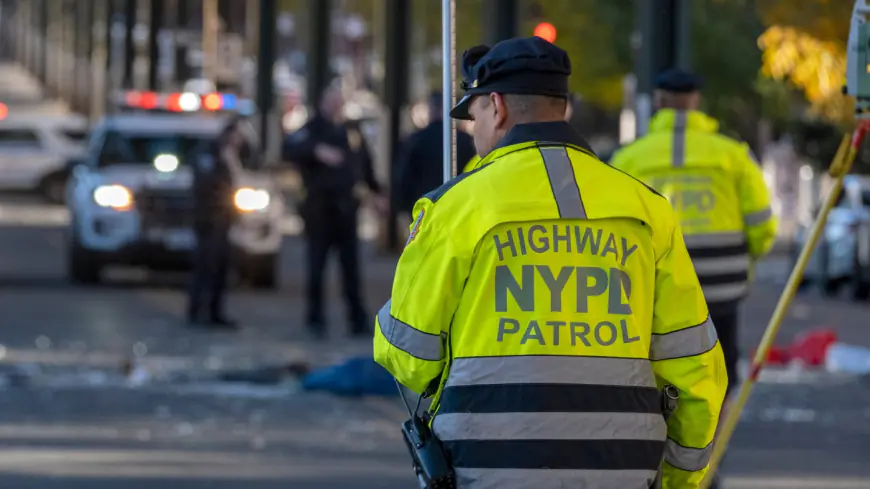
(554, 333)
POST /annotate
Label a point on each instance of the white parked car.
(842, 255)
(35, 149)
(131, 200)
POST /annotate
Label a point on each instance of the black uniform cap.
(678, 81)
(527, 66)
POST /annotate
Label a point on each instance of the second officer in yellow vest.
(549, 298)
(718, 192)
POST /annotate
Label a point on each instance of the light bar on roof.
(184, 102)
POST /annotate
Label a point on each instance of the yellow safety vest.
(551, 297)
(472, 164)
(718, 192)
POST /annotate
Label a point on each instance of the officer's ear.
(499, 109)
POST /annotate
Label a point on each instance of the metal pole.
(99, 55)
(319, 40)
(448, 64)
(501, 21)
(265, 68)
(155, 22)
(129, 43)
(210, 26)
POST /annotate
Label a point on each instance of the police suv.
(131, 201)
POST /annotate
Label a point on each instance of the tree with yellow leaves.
(805, 45)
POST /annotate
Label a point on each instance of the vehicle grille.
(165, 208)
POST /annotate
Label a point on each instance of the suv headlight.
(251, 199)
(114, 196)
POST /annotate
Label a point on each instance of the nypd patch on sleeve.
(416, 227)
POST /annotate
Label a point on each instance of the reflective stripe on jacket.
(718, 192)
(552, 297)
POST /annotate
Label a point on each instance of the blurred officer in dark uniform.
(335, 163)
(420, 164)
(214, 173)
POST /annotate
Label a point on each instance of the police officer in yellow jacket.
(717, 190)
(548, 298)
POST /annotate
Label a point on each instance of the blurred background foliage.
(777, 61)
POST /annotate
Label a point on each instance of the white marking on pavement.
(767, 482)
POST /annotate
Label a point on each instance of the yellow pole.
(840, 166)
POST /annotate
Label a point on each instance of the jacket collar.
(558, 132)
(691, 120)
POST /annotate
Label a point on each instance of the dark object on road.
(266, 375)
(15, 376)
(357, 377)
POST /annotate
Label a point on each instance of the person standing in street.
(334, 163)
(420, 161)
(547, 300)
(214, 180)
(718, 191)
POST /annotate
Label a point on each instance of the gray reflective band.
(714, 266)
(633, 372)
(678, 145)
(547, 478)
(714, 240)
(686, 342)
(725, 292)
(562, 181)
(407, 338)
(550, 426)
(758, 217)
(689, 459)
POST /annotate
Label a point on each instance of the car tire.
(261, 272)
(83, 266)
(53, 188)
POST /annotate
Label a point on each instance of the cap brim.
(460, 110)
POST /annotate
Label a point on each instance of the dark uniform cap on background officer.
(526, 66)
(678, 81)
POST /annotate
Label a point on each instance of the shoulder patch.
(416, 227)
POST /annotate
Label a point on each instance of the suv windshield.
(143, 149)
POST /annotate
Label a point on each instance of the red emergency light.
(546, 31)
(173, 102)
(148, 100)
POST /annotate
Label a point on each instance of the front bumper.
(121, 237)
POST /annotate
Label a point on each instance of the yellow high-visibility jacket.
(718, 192)
(549, 298)
(472, 163)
